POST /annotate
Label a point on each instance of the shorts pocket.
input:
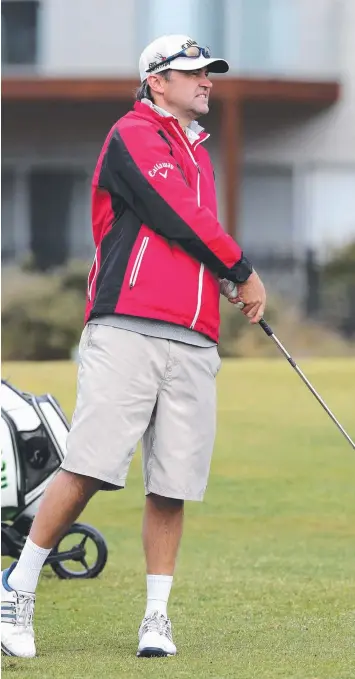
(86, 339)
(215, 361)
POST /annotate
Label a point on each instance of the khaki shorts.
(133, 387)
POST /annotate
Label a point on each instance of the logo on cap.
(158, 58)
(188, 44)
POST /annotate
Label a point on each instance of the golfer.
(148, 354)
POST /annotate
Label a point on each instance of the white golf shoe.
(17, 608)
(155, 637)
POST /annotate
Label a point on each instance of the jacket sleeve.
(165, 203)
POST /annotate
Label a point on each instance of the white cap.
(166, 47)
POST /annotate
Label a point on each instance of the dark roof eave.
(225, 87)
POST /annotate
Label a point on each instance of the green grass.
(265, 583)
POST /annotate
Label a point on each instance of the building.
(282, 123)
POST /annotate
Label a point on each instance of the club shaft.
(280, 346)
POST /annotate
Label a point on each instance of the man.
(148, 353)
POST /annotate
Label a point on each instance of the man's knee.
(83, 486)
(162, 503)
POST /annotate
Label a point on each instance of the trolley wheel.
(86, 552)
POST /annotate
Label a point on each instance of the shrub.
(42, 316)
(338, 290)
(237, 337)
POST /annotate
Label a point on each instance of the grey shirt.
(153, 328)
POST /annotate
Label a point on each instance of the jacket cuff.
(240, 272)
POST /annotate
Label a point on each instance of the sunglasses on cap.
(191, 52)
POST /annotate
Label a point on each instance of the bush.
(42, 315)
(300, 336)
(237, 337)
(338, 290)
(341, 266)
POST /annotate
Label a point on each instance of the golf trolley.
(34, 431)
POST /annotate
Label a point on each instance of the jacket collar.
(194, 132)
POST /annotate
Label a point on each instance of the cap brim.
(188, 64)
(213, 65)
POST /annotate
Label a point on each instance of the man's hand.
(252, 294)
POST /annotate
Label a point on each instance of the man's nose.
(206, 82)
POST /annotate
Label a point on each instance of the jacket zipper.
(138, 261)
(90, 284)
(202, 266)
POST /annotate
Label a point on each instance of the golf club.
(269, 332)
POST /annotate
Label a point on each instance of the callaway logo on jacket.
(154, 222)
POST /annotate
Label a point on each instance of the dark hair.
(144, 91)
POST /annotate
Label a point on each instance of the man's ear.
(155, 83)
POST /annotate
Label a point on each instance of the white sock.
(25, 575)
(158, 590)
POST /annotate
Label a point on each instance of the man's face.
(187, 92)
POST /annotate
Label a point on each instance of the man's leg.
(177, 450)
(63, 501)
(114, 406)
(162, 530)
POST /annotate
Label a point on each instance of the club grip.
(266, 328)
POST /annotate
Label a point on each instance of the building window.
(19, 32)
(7, 215)
(50, 216)
(330, 207)
(59, 217)
(267, 208)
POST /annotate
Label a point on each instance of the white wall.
(298, 38)
(320, 148)
(294, 37)
(328, 137)
(88, 38)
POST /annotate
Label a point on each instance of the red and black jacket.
(160, 249)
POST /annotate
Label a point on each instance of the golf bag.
(34, 431)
